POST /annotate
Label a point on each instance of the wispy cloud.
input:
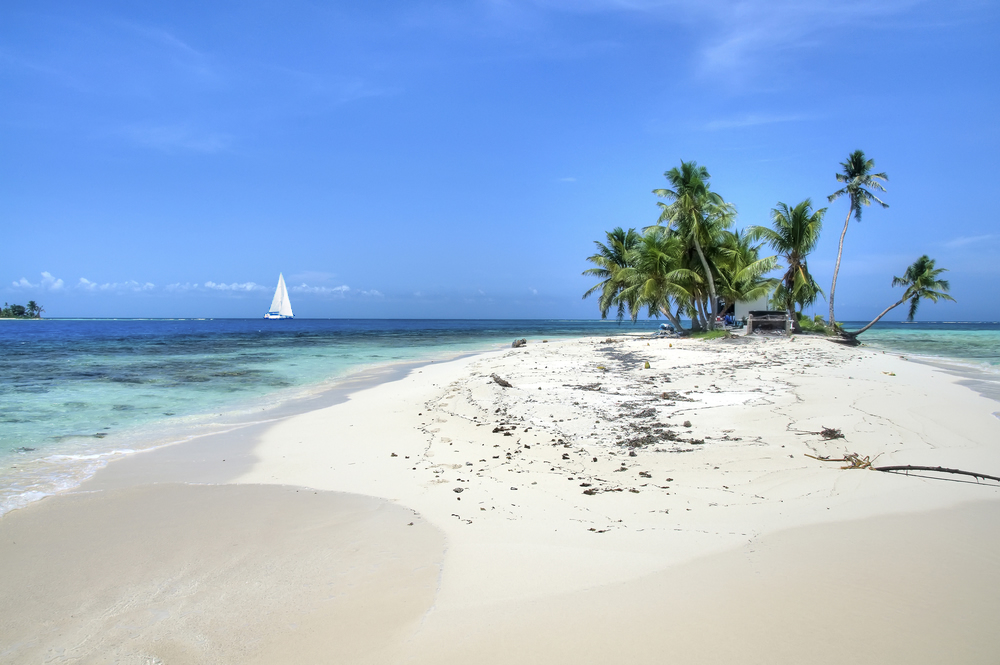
(372, 293)
(186, 286)
(130, 285)
(196, 64)
(48, 283)
(162, 37)
(322, 290)
(751, 121)
(236, 287)
(176, 138)
(736, 36)
(962, 241)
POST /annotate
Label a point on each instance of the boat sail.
(281, 308)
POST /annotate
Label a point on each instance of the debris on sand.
(500, 381)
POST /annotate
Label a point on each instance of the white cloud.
(533, 290)
(130, 285)
(48, 283)
(373, 293)
(245, 287)
(325, 290)
(186, 286)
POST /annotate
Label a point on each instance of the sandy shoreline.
(589, 510)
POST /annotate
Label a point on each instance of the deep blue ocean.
(76, 393)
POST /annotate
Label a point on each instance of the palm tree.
(659, 278)
(611, 259)
(693, 212)
(922, 283)
(858, 179)
(795, 234)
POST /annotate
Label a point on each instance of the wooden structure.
(768, 320)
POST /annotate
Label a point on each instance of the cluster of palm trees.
(687, 262)
(693, 264)
(30, 311)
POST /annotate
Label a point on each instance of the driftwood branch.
(855, 461)
(938, 469)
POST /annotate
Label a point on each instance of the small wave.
(92, 456)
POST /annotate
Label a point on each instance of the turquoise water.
(970, 350)
(974, 343)
(77, 393)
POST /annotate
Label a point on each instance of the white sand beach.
(594, 511)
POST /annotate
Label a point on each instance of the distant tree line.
(692, 263)
(30, 311)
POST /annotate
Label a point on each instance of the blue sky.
(458, 159)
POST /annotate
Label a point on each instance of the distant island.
(30, 311)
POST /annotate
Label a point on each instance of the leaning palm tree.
(693, 212)
(922, 283)
(858, 180)
(610, 260)
(794, 235)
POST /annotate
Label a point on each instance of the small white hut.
(742, 309)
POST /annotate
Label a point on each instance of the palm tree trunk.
(711, 282)
(673, 319)
(836, 268)
(699, 311)
(790, 306)
(884, 312)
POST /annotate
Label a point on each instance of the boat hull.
(275, 317)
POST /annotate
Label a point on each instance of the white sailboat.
(281, 308)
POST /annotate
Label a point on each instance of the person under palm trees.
(922, 283)
(858, 180)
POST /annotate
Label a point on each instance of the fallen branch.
(855, 461)
(938, 469)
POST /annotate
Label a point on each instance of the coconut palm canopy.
(794, 234)
(698, 216)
